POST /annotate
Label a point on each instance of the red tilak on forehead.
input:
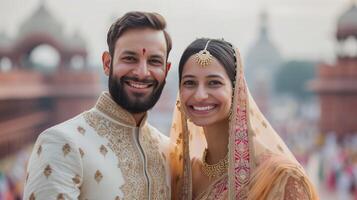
(144, 50)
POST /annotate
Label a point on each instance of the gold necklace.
(214, 170)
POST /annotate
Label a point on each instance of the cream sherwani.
(100, 155)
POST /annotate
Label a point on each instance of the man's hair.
(137, 20)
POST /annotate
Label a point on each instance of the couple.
(221, 146)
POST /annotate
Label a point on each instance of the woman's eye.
(214, 83)
(188, 83)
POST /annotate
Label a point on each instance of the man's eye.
(155, 62)
(129, 59)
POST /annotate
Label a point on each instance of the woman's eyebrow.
(214, 76)
(188, 76)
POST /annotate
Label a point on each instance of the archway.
(43, 57)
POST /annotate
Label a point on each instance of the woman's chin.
(201, 122)
(208, 121)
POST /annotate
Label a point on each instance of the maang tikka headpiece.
(204, 57)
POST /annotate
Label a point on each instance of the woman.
(225, 148)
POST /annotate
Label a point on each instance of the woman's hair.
(222, 50)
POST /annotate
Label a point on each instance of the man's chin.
(138, 97)
(139, 105)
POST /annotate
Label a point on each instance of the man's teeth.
(205, 108)
(138, 85)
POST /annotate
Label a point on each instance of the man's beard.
(138, 103)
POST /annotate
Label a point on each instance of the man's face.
(138, 69)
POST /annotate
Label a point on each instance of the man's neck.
(138, 117)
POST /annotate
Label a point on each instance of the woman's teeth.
(204, 108)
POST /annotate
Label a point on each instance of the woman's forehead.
(191, 67)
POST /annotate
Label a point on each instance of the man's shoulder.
(65, 129)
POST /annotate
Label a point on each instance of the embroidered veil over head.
(257, 156)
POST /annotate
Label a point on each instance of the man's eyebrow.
(157, 56)
(128, 52)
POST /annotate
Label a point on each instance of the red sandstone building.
(336, 84)
(34, 97)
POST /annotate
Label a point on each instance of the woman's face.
(206, 92)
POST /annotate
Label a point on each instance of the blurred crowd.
(338, 166)
(13, 174)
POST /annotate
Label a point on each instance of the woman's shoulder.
(281, 178)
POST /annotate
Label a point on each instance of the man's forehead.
(141, 50)
(137, 41)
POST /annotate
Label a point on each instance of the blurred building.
(336, 84)
(44, 79)
(262, 61)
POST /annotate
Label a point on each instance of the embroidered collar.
(109, 107)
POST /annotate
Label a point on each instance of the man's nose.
(141, 70)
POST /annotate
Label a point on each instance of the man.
(110, 151)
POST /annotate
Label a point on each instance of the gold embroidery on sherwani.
(81, 152)
(103, 150)
(81, 130)
(129, 162)
(98, 176)
(39, 150)
(110, 108)
(60, 196)
(32, 196)
(76, 179)
(47, 171)
(66, 149)
(155, 166)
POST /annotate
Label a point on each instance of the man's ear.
(168, 67)
(106, 60)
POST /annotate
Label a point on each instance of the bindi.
(144, 51)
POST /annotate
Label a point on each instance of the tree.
(292, 78)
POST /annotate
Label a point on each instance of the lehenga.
(260, 164)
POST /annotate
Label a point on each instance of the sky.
(301, 29)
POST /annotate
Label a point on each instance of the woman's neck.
(217, 141)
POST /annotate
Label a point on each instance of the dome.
(41, 21)
(76, 41)
(263, 57)
(347, 23)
